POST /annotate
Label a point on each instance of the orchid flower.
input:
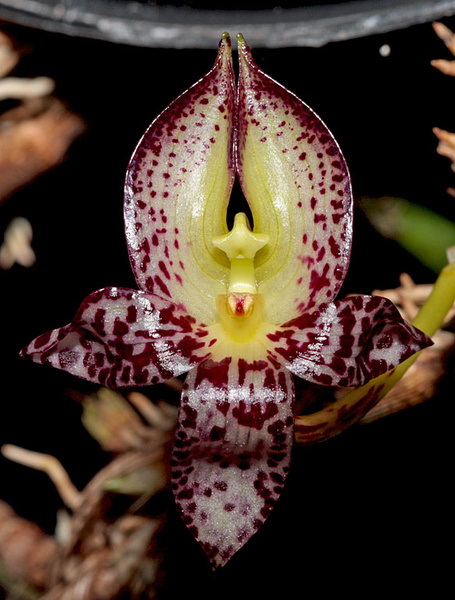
(243, 310)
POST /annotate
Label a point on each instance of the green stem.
(432, 314)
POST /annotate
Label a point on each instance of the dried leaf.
(35, 144)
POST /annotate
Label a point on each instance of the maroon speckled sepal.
(232, 450)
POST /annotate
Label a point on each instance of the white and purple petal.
(347, 342)
(177, 190)
(232, 450)
(297, 184)
(124, 338)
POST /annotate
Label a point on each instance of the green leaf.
(422, 232)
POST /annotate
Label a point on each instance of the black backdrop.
(368, 511)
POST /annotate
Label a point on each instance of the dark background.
(367, 512)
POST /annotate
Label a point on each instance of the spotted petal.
(347, 342)
(123, 338)
(232, 450)
(177, 191)
(296, 181)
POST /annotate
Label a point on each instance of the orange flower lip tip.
(240, 305)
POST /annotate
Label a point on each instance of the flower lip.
(240, 305)
(241, 321)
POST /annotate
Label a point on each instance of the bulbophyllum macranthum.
(241, 311)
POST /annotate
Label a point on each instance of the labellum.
(241, 311)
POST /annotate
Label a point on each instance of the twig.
(446, 35)
(49, 465)
(19, 89)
